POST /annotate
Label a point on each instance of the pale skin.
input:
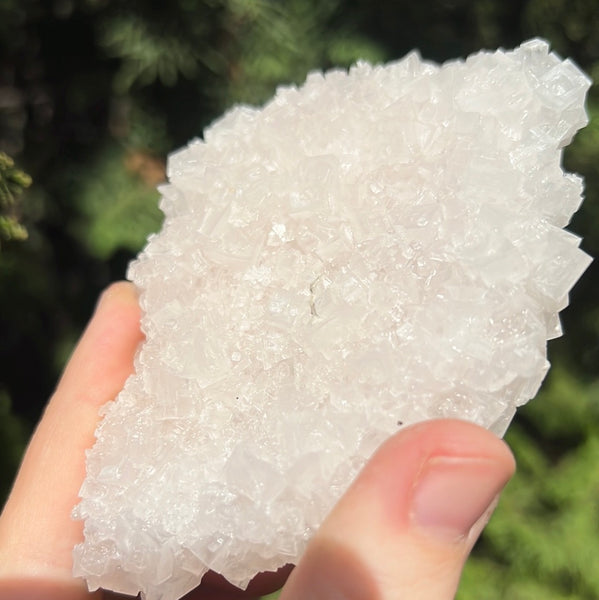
(402, 531)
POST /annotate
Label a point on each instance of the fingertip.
(103, 358)
(118, 293)
(390, 477)
(451, 436)
(408, 517)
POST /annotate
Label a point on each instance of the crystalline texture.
(372, 249)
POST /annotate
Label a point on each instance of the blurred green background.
(95, 93)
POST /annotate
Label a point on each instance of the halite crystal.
(372, 249)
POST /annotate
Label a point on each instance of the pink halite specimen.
(376, 247)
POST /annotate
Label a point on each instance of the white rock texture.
(370, 250)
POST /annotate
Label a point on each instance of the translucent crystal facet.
(375, 248)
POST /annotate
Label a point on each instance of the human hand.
(403, 530)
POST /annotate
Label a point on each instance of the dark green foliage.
(94, 93)
(14, 435)
(12, 184)
(117, 202)
(544, 539)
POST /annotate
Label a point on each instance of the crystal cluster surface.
(372, 249)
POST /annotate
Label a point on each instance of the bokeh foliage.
(12, 184)
(94, 93)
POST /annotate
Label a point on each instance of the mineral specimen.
(375, 248)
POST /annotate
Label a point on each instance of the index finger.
(37, 533)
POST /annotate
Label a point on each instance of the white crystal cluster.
(372, 249)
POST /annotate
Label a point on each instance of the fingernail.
(121, 289)
(453, 493)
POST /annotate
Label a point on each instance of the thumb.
(406, 526)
